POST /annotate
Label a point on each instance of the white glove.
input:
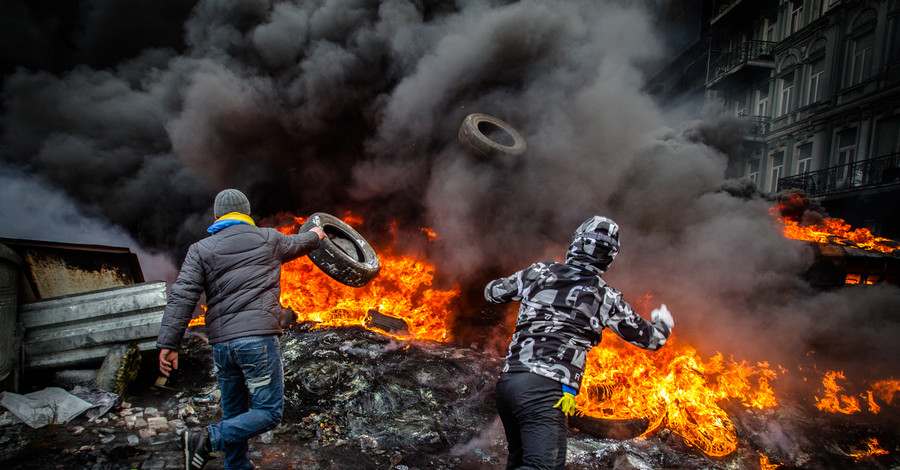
(662, 314)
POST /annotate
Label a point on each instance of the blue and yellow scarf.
(229, 219)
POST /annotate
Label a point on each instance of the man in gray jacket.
(239, 269)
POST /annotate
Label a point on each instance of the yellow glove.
(566, 404)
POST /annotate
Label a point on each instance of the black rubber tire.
(344, 255)
(480, 145)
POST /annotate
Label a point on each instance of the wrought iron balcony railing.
(746, 52)
(756, 125)
(871, 173)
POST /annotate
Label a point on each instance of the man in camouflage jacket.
(564, 308)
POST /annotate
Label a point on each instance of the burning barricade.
(715, 407)
(374, 376)
(844, 255)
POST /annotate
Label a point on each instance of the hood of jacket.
(594, 245)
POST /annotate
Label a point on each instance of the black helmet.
(595, 244)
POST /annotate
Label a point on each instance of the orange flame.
(872, 449)
(832, 230)
(857, 279)
(402, 288)
(764, 463)
(833, 400)
(673, 387)
(870, 399)
(199, 320)
(886, 389)
(432, 235)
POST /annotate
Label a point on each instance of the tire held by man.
(344, 255)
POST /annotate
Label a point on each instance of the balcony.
(865, 174)
(756, 126)
(748, 56)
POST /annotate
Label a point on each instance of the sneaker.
(197, 451)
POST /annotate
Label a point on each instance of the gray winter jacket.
(239, 269)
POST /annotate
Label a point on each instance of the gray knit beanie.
(231, 200)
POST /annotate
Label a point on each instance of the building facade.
(817, 83)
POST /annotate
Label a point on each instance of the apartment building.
(818, 85)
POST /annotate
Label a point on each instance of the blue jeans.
(535, 430)
(251, 380)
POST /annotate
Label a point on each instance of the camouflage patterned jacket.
(564, 308)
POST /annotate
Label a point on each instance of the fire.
(886, 389)
(870, 399)
(834, 400)
(402, 289)
(199, 320)
(833, 230)
(432, 235)
(857, 279)
(764, 463)
(872, 449)
(673, 387)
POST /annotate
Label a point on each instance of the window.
(753, 171)
(859, 59)
(796, 16)
(893, 44)
(738, 107)
(846, 154)
(777, 170)
(787, 92)
(762, 102)
(846, 147)
(887, 136)
(819, 7)
(769, 29)
(816, 74)
(804, 159)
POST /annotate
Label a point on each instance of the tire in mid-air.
(344, 255)
(473, 138)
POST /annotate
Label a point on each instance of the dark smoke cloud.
(56, 35)
(336, 105)
(33, 209)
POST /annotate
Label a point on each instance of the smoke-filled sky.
(121, 122)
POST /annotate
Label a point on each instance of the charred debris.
(359, 398)
(356, 398)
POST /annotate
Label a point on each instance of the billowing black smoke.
(336, 105)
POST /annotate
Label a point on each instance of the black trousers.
(535, 431)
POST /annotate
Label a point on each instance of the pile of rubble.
(354, 398)
(126, 437)
(360, 399)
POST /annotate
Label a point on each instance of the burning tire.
(473, 138)
(344, 255)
